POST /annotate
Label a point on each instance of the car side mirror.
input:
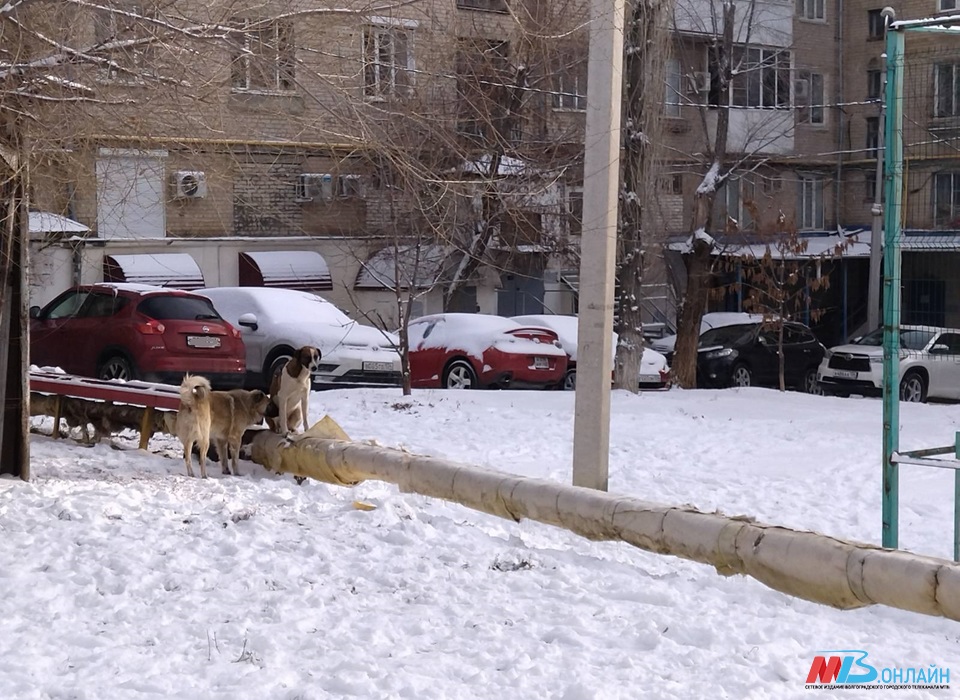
(34, 312)
(940, 349)
(248, 321)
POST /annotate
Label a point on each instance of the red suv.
(127, 331)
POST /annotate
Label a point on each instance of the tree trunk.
(699, 265)
(645, 49)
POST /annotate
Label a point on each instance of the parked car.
(653, 365)
(129, 331)
(471, 351)
(714, 319)
(929, 365)
(748, 355)
(275, 322)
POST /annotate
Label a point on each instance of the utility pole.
(876, 230)
(598, 245)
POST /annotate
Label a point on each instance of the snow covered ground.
(123, 578)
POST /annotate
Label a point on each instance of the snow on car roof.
(284, 305)
(134, 287)
(472, 333)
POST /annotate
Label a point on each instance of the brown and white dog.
(290, 391)
(193, 420)
(231, 413)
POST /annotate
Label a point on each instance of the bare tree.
(646, 44)
(738, 73)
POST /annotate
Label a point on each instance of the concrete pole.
(598, 246)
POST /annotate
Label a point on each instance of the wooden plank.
(137, 394)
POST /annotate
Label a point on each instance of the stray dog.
(193, 420)
(231, 412)
(290, 391)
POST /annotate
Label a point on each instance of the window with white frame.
(946, 90)
(762, 78)
(809, 97)
(947, 5)
(570, 82)
(736, 199)
(125, 30)
(946, 200)
(574, 210)
(811, 9)
(674, 84)
(810, 203)
(387, 61)
(264, 55)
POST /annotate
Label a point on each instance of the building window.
(946, 5)
(265, 56)
(762, 78)
(671, 100)
(129, 63)
(485, 5)
(869, 187)
(736, 200)
(874, 84)
(809, 97)
(570, 82)
(810, 204)
(875, 25)
(482, 68)
(811, 9)
(574, 210)
(946, 89)
(873, 136)
(670, 184)
(387, 62)
(946, 200)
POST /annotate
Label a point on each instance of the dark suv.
(125, 331)
(749, 355)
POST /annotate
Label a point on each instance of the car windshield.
(726, 335)
(910, 338)
(173, 307)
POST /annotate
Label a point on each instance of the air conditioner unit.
(314, 187)
(350, 187)
(699, 82)
(801, 90)
(189, 184)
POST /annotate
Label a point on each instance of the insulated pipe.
(807, 565)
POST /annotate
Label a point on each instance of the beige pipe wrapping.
(807, 565)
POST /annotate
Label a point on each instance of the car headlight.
(876, 359)
(828, 354)
(716, 354)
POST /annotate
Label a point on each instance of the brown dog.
(193, 420)
(290, 391)
(231, 413)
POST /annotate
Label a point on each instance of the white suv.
(276, 322)
(929, 365)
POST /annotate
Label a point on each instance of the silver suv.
(929, 365)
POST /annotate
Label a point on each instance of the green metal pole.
(893, 182)
(956, 501)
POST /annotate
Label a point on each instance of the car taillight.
(151, 327)
(235, 332)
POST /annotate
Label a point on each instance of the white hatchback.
(275, 322)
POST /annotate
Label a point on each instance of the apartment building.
(280, 152)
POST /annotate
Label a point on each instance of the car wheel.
(741, 376)
(275, 365)
(570, 380)
(117, 367)
(913, 388)
(459, 375)
(810, 383)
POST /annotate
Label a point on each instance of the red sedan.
(470, 351)
(127, 331)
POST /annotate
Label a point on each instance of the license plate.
(844, 374)
(650, 379)
(203, 341)
(541, 363)
(377, 366)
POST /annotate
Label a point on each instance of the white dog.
(290, 391)
(193, 420)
